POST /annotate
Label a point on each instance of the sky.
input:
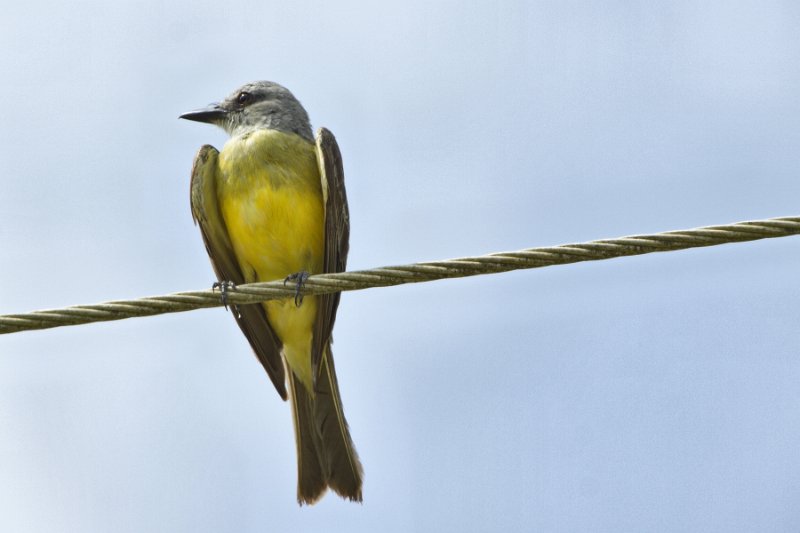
(653, 393)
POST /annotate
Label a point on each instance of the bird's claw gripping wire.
(300, 278)
(224, 288)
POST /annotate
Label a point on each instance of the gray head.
(256, 105)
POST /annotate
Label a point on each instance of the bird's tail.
(326, 456)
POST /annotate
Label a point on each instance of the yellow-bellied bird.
(270, 205)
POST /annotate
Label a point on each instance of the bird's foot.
(300, 278)
(224, 288)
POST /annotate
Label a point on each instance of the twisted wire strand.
(413, 273)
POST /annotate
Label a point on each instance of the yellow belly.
(271, 200)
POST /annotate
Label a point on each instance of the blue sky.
(655, 393)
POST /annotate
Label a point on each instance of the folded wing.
(252, 319)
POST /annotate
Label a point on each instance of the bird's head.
(253, 106)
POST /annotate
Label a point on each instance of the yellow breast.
(271, 200)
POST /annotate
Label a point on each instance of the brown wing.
(251, 318)
(337, 237)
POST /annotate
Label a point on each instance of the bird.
(271, 205)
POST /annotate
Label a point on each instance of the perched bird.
(272, 206)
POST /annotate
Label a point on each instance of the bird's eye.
(243, 98)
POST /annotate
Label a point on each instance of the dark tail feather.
(311, 479)
(344, 470)
(326, 456)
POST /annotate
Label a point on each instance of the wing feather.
(337, 238)
(252, 319)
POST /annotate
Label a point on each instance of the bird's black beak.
(212, 114)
